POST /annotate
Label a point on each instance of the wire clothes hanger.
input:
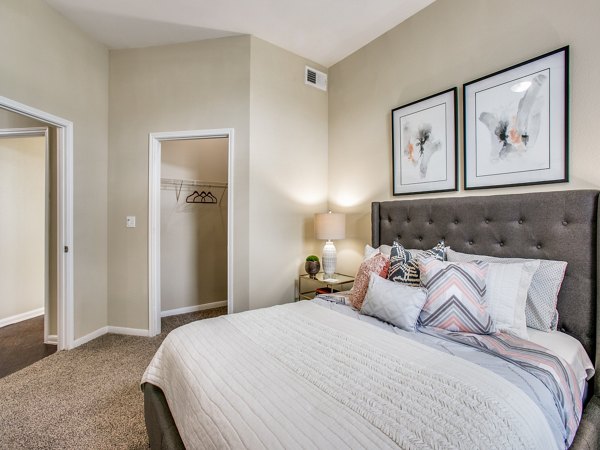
(201, 197)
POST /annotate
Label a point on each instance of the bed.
(553, 225)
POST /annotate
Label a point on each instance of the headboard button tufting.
(470, 242)
(408, 219)
(539, 246)
(501, 243)
(430, 221)
(487, 220)
(455, 221)
(565, 223)
(520, 221)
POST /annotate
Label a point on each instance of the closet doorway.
(190, 223)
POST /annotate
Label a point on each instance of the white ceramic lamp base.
(329, 258)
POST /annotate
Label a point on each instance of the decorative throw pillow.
(378, 264)
(404, 266)
(542, 296)
(455, 296)
(395, 303)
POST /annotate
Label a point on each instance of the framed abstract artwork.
(516, 124)
(424, 145)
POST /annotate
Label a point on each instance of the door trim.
(65, 310)
(154, 153)
(39, 132)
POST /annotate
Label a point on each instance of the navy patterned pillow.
(404, 267)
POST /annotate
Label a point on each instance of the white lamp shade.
(330, 226)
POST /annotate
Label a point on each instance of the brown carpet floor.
(86, 398)
(22, 344)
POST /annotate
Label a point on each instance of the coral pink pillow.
(378, 264)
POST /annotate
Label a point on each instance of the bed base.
(162, 431)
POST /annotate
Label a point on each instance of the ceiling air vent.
(315, 78)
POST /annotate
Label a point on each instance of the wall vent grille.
(315, 78)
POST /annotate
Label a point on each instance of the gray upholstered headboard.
(550, 225)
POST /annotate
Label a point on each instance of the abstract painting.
(515, 124)
(424, 145)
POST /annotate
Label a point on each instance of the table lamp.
(329, 226)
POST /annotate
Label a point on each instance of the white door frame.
(154, 152)
(40, 132)
(65, 325)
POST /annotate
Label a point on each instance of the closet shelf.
(179, 183)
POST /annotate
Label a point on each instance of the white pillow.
(394, 303)
(383, 249)
(387, 250)
(506, 295)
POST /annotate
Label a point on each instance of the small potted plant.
(312, 265)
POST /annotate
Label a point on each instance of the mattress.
(303, 375)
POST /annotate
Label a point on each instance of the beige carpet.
(87, 398)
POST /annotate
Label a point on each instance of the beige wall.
(447, 44)
(202, 85)
(288, 170)
(22, 225)
(193, 237)
(49, 64)
(280, 159)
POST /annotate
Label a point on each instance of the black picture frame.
(536, 92)
(430, 124)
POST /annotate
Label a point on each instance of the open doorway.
(46, 172)
(190, 248)
(28, 300)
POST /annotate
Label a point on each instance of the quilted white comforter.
(302, 376)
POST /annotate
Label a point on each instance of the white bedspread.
(302, 376)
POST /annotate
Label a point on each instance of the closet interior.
(194, 174)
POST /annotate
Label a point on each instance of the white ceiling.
(324, 31)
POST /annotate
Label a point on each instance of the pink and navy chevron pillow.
(455, 296)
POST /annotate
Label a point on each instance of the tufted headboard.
(549, 225)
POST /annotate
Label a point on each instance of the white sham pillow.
(387, 250)
(506, 295)
(394, 303)
(383, 249)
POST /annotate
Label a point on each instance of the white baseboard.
(52, 339)
(128, 331)
(88, 337)
(21, 317)
(189, 309)
(109, 329)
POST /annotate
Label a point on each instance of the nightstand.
(307, 286)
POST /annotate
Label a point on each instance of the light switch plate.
(130, 221)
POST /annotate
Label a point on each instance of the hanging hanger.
(192, 197)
